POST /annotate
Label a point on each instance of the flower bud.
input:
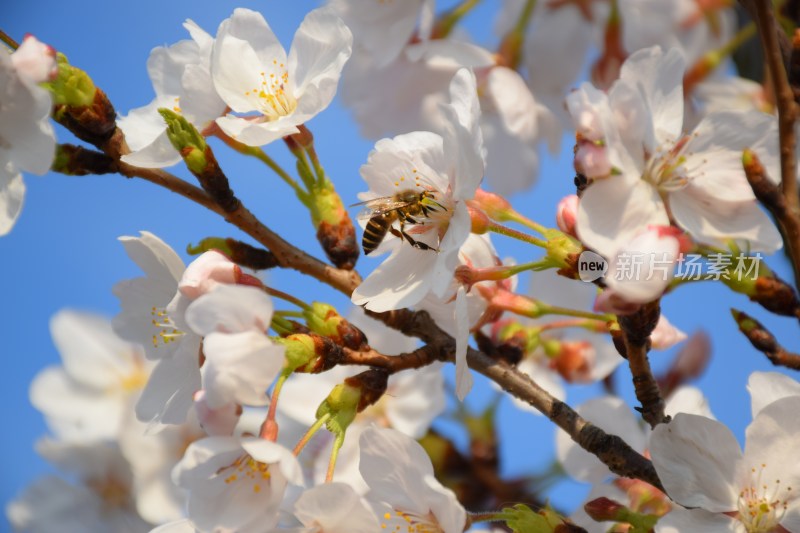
(495, 206)
(351, 397)
(323, 319)
(80, 106)
(609, 301)
(605, 509)
(567, 214)
(310, 353)
(186, 140)
(335, 231)
(206, 272)
(480, 221)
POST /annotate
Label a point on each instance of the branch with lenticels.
(610, 449)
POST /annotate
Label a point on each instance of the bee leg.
(416, 244)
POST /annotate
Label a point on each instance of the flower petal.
(714, 221)
(239, 368)
(613, 210)
(696, 459)
(658, 75)
(767, 387)
(321, 46)
(230, 309)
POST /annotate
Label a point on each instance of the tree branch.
(636, 330)
(776, 203)
(763, 341)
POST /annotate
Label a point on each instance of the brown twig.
(776, 203)
(763, 341)
(787, 112)
(636, 330)
(778, 60)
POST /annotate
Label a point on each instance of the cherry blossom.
(182, 82)
(402, 485)
(27, 141)
(663, 172)
(450, 169)
(88, 397)
(235, 484)
(252, 73)
(702, 466)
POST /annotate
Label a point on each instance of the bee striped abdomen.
(375, 232)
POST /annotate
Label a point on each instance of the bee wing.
(379, 206)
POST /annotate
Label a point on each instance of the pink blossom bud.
(567, 214)
(666, 335)
(216, 422)
(591, 160)
(494, 205)
(205, 272)
(609, 301)
(35, 60)
(480, 221)
(603, 509)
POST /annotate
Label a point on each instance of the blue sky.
(64, 250)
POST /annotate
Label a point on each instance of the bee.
(405, 207)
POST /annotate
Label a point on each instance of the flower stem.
(310, 433)
(269, 429)
(337, 445)
(514, 234)
(514, 216)
(261, 155)
(286, 297)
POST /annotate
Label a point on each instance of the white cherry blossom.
(236, 484)
(408, 93)
(450, 169)
(661, 173)
(27, 141)
(88, 397)
(702, 466)
(335, 508)
(402, 486)
(252, 73)
(182, 82)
